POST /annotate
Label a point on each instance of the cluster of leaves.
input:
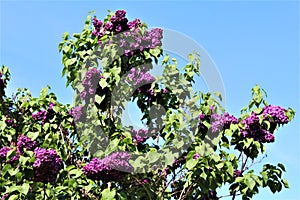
(189, 150)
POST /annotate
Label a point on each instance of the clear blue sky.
(250, 42)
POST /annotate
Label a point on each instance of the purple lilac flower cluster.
(10, 121)
(134, 41)
(237, 173)
(25, 143)
(3, 152)
(77, 113)
(275, 114)
(44, 115)
(130, 42)
(90, 83)
(4, 196)
(47, 165)
(117, 24)
(222, 122)
(196, 156)
(254, 129)
(140, 77)
(218, 122)
(22, 143)
(110, 168)
(139, 136)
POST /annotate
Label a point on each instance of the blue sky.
(251, 43)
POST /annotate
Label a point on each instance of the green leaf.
(108, 194)
(153, 156)
(191, 163)
(281, 166)
(24, 189)
(285, 183)
(13, 197)
(33, 135)
(44, 92)
(76, 172)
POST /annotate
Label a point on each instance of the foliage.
(188, 149)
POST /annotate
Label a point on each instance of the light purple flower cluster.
(132, 41)
(254, 129)
(218, 122)
(139, 136)
(46, 165)
(196, 156)
(275, 114)
(222, 122)
(110, 168)
(3, 152)
(40, 116)
(140, 77)
(4, 196)
(90, 83)
(135, 41)
(77, 113)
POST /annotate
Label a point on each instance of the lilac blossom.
(110, 168)
(25, 143)
(46, 165)
(275, 114)
(140, 135)
(77, 113)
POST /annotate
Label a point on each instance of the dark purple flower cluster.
(46, 165)
(133, 40)
(178, 162)
(44, 115)
(77, 113)
(139, 136)
(117, 24)
(40, 116)
(237, 173)
(254, 129)
(25, 143)
(218, 122)
(90, 83)
(134, 24)
(10, 121)
(110, 168)
(275, 114)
